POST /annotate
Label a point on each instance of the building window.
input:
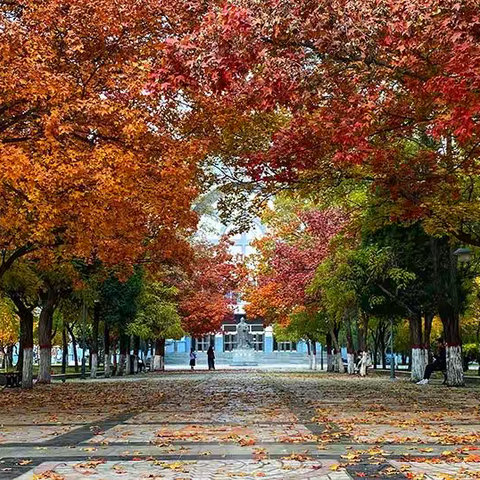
(256, 328)
(229, 342)
(284, 346)
(257, 341)
(201, 344)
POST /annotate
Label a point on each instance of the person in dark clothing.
(211, 358)
(439, 364)
(193, 358)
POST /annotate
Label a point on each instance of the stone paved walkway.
(240, 424)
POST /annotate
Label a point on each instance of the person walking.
(438, 365)
(211, 358)
(193, 358)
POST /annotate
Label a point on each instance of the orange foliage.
(265, 302)
(90, 162)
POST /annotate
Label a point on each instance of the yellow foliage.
(9, 324)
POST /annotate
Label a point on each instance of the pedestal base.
(244, 358)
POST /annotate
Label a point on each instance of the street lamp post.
(83, 373)
(455, 375)
(392, 358)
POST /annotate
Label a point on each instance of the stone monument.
(243, 354)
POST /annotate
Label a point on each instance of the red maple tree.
(384, 93)
(288, 260)
(204, 300)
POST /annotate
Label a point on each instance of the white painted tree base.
(158, 363)
(455, 376)
(350, 363)
(340, 367)
(419, 362)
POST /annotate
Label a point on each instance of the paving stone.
(282, 425)
(196, 470)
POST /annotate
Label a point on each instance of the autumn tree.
(286, 263)
(22, 284)
(203, 290)
(91, 165)
(383, 94)
(379, 94)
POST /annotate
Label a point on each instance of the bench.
(11, 379)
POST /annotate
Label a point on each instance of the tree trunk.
(106, 348)
(314, 355)
(123, 354)
(64, 350)
(26, 327)
(27, 372)
(451, 330)
(93, 365)
(159, 359)
(363, 332)
(448, 309)
(455, 376)
(330, 367)
(21, 344)
(381, 334)
(94, 344)
(45, 365)
(115, 363)
(427, 331)
(309, 355)
(338, 365)
(74, 346)
(341, 367)
(136, 349)
(45, 337)
(128, 366)
(108, 365)
(419, 354)
(10, 355)
(27, 367)
(350, 350)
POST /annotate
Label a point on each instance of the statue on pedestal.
(243, 335)
(244, 353)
